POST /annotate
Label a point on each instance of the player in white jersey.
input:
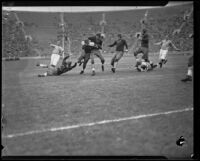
(55, 57)
(165, 45)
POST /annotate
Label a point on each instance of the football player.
(87, 47)
(97, 50)
(65, 67)
(120, 44)
(165, 45)
(55, 57)
(190, 67)
(143, 47)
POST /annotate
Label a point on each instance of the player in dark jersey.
(65, 67)
(144, 45)
(120, 44)
(87, 47)
(97, 50)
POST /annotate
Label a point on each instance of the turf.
(31, 103)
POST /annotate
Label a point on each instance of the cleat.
(113, 70)
(37, 64)
(82, 72)
(102, 67)
(165, 61)
(160, 65)
(188, 78)
(40, 75)
(138, 69)
(93, 73)
(154, 66)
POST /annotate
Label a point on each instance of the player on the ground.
(56, 54)
(120, 44)
(97, 50)
(65, 67)
(165, 45)
(142, 65)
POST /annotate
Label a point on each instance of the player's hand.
(126, 50)
(191, 35)
(176, 31)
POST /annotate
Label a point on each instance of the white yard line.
(95, 123)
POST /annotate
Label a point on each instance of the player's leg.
(163, 57)
(98, 53)
(50, 72)
(86, 59)
(145, 51)
(138, 61)
(42, 65)
(55, 59)
(92, 62)
(189, 71)
(118, 57)
(113, 62)
(80, 58)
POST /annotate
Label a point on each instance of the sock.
(43, 65)
(115, 65)
(45, 74)
(189, 73)
(93, 69)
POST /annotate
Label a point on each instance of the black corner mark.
(181, 141)
(2, 147)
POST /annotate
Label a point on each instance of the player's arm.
(174, 46)
(112, 44)
(52, 45)
(158, 43)
(125, 43)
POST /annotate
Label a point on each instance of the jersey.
(57, 50)
(145, 40)
(165, 44)
(98, 42)
(120, 44)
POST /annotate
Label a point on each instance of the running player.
(87, 46)
(120, 44)
(165, 45)
(97, 50)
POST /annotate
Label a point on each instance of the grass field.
(126, 113)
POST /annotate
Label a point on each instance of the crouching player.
(65, 67)
(142, 65)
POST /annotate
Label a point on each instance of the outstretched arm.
(112, 44)
(52, 45)
(158, 43)
(174, 47)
